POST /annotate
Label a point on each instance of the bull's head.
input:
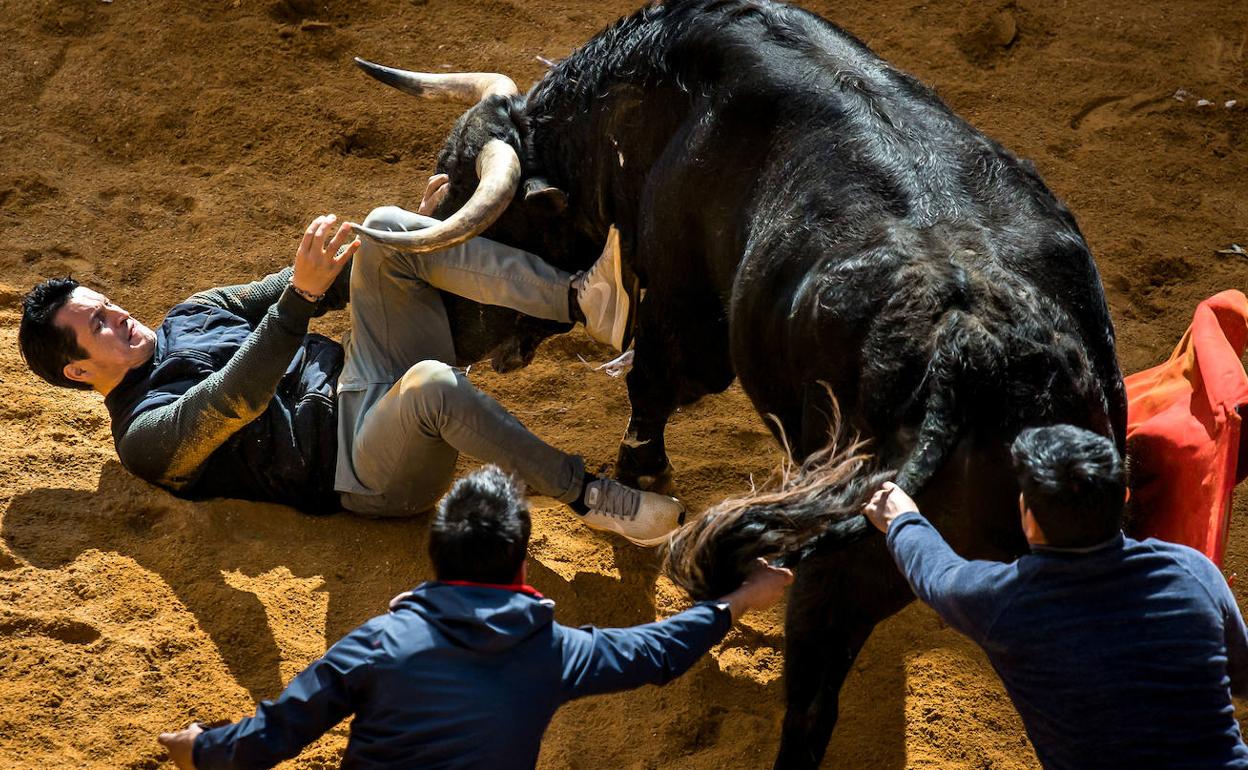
(496, 186)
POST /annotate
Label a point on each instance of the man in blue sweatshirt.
(466, 671)
(1117, 653)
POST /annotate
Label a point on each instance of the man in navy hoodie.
(466, 671)
(1117, 653)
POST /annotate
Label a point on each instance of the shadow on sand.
(191, 545)
(362, 563)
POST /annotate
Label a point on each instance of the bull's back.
(856, 153)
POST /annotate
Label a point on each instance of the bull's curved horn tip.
(368, 232)
(372, 67)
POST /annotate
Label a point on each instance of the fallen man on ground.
(231, 397)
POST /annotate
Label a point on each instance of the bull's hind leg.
(681, 355)
(837, 599)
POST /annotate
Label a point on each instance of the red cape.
(1183, 430)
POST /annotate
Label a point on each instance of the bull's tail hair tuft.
(711, 555)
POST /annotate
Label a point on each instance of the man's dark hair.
(47, 347)
(1073, 481)
(480, 531)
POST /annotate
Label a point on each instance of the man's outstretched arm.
(598, 661)
(253, 300)
(314, 701)
(964, 593)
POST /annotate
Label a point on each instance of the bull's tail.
(965, 351)
(821, 502)
(999, 358)
(710, 556)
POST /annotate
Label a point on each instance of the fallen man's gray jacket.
(238, 399)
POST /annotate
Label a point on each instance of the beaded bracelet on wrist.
(309, 296)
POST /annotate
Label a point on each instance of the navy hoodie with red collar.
(458, 676)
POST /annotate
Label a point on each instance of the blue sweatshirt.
(1120, 656)
(458, 677)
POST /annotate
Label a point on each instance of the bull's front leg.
(642, 460)
(681, 355)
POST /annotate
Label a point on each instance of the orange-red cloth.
(1183, 430)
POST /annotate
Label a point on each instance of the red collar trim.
(521, 588)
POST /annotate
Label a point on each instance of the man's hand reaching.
(437, 188)
(318, 263)
(889, 502)
(181, 745)
(762, 588)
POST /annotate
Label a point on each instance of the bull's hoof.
(634, 474)
(642, 464)
(512, 356)
(660, 482)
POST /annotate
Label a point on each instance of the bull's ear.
(538, 190)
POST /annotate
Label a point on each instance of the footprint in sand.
(57, 627)
(1107, 111)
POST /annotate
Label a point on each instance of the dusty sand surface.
(155, 148)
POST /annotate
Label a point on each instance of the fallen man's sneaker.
(645, 518)
(605, 301)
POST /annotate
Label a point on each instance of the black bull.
(805, 216)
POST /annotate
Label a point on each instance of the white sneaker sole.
(620, 332)
(652, 542)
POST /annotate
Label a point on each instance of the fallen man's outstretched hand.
(318, 263)
(435, 191)
(181, 745)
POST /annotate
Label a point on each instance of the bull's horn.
(498, 168)
(464, 87)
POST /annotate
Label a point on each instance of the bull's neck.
(592, 130)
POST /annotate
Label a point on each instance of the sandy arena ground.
(155, 148)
